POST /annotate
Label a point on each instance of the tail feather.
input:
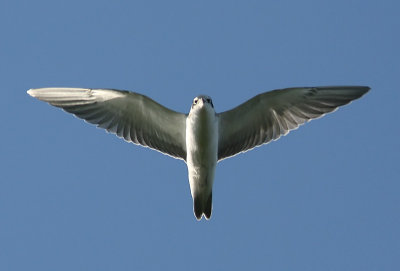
(201, 207)
(208, 209)
(197, 207)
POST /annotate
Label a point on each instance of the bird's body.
(202, 152)
(203, 137)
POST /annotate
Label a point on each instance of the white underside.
(202, 147)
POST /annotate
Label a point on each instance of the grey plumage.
(132, 116)
(202, 137)
(270, 115)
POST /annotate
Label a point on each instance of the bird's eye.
(195, 101)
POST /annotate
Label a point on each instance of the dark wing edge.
(134, 117)
(268, 116)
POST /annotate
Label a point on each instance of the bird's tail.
(201, 206)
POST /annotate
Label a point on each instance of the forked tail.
(201, 206)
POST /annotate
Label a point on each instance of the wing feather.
(132, 116)
(270, 115)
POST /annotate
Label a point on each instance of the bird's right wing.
(269, 115)
(132, 116)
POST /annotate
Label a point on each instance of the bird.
(202, 137)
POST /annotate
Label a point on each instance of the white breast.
(202, 147)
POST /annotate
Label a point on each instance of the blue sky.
(325, 197)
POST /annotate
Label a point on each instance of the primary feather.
(132, 116)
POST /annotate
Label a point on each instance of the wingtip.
(360, 90)
(366, 88)
(32, 92)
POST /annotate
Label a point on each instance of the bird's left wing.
(132, 116)
(269, 115)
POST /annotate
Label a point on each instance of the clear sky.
(325, 197)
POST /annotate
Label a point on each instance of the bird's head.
(202, 102)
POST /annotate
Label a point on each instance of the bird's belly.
(201, 138)
(201, 164)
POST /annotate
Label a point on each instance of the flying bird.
(202, 137)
